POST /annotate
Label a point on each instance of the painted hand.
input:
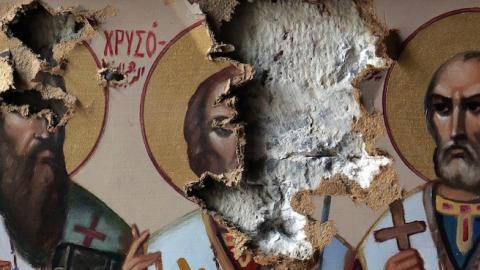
(407, 259)
(137, 257)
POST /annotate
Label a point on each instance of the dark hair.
(199, 149)
(427, 103)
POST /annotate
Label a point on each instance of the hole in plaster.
(297, 129)
(393, 43)
(35, 102)
(39, 30)
(112, 75)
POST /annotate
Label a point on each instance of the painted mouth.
(45, 155)
(458, 152)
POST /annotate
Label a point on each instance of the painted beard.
(458, 164)
(33, 199)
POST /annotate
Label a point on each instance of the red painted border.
(105, 116)
(142, 104)
(385, 86)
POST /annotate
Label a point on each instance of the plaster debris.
(217, 11)
(299, 112)
(38, 39)
(6, 71)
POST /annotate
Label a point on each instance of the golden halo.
(407, 81)
(84, 129)
(173, 79)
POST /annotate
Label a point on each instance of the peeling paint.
(38, 39)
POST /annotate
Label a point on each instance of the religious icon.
(211, 147)
(48, 220)
(434, 93)
(193, 109)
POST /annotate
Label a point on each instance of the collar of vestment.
(435, 204)
(465, 213)
(89, 223)
(92, 224)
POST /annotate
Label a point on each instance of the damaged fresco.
(223, 134)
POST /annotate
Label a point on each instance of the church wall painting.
(167, 111)
(430, 110)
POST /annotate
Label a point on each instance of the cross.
(90, 232)
(401, 231)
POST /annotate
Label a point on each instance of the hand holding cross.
(407, 258)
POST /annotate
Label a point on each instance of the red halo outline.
(385, 85)
(105, 115)
(164, 175)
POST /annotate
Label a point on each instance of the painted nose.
(40, 126)
(457, 123)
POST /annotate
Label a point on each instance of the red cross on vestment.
(401, 231)
(90, 232)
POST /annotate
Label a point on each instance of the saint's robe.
(195, 242)
(450, 240)
(94, 237)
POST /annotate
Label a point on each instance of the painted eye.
(442, 108)
(222, 132)
(473, 106)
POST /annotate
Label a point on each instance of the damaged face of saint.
(211, 146)
(33, 183)
(46, 217)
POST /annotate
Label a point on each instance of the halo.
(407, 81)
(84, 129)
(173, 79)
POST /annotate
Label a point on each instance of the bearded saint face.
(33, 184)
(211, 147)
(453, 112)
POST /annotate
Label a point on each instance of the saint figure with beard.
(197, 241)
(47, 221)
(439, 223)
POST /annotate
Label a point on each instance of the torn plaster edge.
(91, 20)
(10, 9)
(318, 234)
(229, 97)
(216, 11)
(322, 233)
(23, 110)
(60, 50)
(384, 179)
(384, 187)
(105, 78)
(233, 177)
(241, 240)
(26, 65)
(382, 191)
(6, 71)
(48, 93)
(245, 73)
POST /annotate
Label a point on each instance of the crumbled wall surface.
(39, 39)
(299, 111)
